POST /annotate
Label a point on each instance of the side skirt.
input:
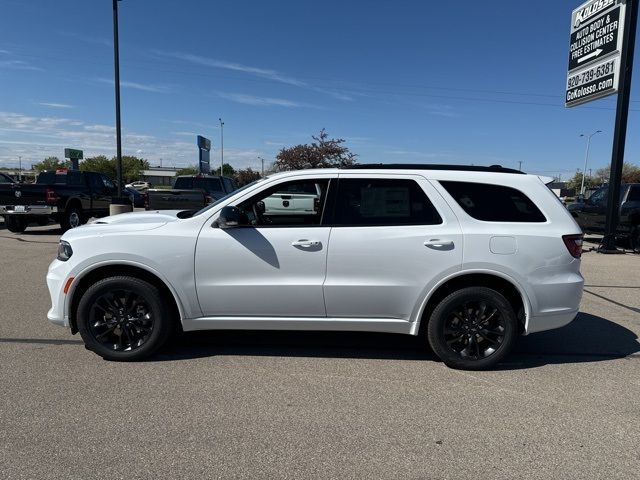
(388, 325)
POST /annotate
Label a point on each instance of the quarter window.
(493, 203)
(634, 194)
(383, 202)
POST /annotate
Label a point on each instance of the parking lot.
(317, 405)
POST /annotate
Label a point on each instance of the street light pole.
(19, 168)
(116, 61)
(221, 145)
(262, 161)
(586, 157)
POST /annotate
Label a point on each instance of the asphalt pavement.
(566, 403)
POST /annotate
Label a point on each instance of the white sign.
(597, 28)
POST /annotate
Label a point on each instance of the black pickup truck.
(591, 213)
(69, 197)
(190, 192)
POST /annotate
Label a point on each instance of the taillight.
(574, 244)
(51, 196)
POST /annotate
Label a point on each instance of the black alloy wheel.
(473, 328)
(123, 318)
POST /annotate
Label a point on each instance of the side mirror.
(231, 217)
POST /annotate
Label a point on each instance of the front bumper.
(56, 278)
(27, 210)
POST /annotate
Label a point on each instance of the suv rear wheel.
(123, 318)
(473, 328)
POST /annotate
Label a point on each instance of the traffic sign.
(597, 29)
(72, 154)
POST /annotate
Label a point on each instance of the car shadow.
(589, 338)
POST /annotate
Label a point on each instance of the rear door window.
(634, 193)
(228, 185)
(383, 202)
(493, 203)
(183, 183)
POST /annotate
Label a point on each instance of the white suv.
(470, 256)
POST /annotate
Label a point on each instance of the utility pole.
(520, 165)
(262, 161)
(586, 157)
(221, 145)
(116, 61)
(19, 168)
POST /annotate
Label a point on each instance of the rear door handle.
(437, 243)
(305, 243)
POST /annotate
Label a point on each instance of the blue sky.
(401, 81)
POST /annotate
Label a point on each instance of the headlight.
(64, 251)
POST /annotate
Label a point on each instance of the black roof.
(433, 166)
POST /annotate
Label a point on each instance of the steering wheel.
(258, 214)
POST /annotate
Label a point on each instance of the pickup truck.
(69, 197)
(591, 213)
(6, 179)
(190, 192)
(298, 199)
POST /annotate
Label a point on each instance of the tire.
(634, 239)
(464, 336)
(15, 224)
(123, 319)
(72, 218)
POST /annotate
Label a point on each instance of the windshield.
(220, 200)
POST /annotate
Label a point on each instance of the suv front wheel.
(123, 318)
(473, 328)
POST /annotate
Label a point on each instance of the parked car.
(140, 185)
(190, 192)
(472, 256)
(591, 213)
(69, 197)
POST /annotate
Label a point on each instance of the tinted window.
(379, 202)
(209, 185)
(494, 203)
(74, 179)
(5, 179)
(600, 196)
(183, 183)
(634, 194)
(228, 185)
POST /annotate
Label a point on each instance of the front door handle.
(305, 243)
(438, 243)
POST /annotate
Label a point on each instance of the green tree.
(132, 167)
(187, 171)
(322, 153)
(575, 182)
(50, 163)
(630, 173)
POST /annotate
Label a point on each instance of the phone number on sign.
(591, 74)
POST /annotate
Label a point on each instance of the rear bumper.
(549, 322)
(27, 210)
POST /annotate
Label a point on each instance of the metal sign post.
(204, 161)
(75, 156)
(603, 34)
(620, 134)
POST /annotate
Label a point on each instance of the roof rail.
(433, 166)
